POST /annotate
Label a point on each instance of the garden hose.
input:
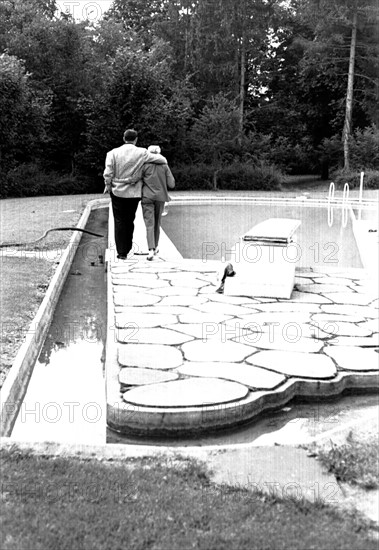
(4, 245)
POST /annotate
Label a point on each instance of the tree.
(215, 132)
(344, 35)
(139, 16)
(23, 115)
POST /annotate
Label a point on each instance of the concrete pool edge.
(15, 385)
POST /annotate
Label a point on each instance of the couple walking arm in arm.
(126, 168)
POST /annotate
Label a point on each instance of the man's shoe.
(156, 251)
(150, 255)
(121, 257)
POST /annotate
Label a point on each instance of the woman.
(156, 179)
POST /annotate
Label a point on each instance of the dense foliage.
(235, 92)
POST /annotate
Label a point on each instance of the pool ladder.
(345, 204)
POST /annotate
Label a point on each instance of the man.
(122, 177)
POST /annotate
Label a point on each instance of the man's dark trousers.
(124, 212)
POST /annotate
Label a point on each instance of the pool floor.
(208, 231)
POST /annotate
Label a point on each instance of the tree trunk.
(349, 96)
(215, 176)
(242, 75)
(242, 89)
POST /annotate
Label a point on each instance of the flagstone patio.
(184, 359)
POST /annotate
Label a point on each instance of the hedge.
(237, 176)
(353, 178)
(28, 180)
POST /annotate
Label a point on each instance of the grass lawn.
(27, 219)
(23, 283)
(72, 504)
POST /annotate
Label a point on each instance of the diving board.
(264, 260)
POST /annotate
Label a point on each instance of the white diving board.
(264, 260)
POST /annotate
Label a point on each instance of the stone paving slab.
(372, 325)
(216, 350)
(174, 291)
(157, 309)
(232, 356)
(152, 336)
(337, 318)
(343, 309)
(353, 298)
(321, 287)
(196, 317)
(131, 376)
(310, 297)
(192, 392)
(133, 319)
(344, 328)
(292, 363)
(134, 299)
(149, 356)
(275, 319)
(290, 307)
(182, 301)
(227, 308)
(282, 341)
(356, 359)
(250, 376)
(368, 341)
(140, 283)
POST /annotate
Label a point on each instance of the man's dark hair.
(130, 135)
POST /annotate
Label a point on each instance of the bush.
(236, 176)
(247, 176)
(364, 153)
(364, 149)
(294, 159)
(193, 176)
(331, 151)
(28, 180)
(353, 178)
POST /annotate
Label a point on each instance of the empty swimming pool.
(208, 230)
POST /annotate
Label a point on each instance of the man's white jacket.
(123, 169)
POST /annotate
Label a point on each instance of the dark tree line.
(219, 84)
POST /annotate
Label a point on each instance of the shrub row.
(353, 178)
(28, 180)
(233, 177)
